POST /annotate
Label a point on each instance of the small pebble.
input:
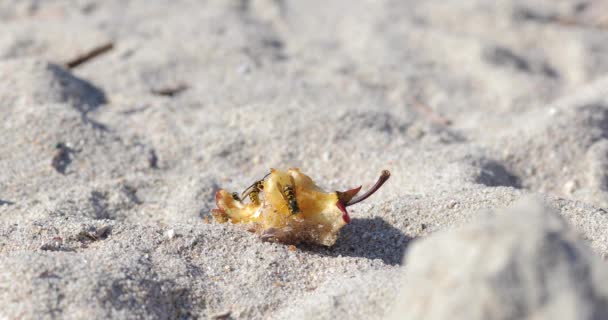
(452, 204)
(570, 186)
(170, 234)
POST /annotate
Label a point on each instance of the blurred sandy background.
(109, 163)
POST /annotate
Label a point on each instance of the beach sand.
(109, 168)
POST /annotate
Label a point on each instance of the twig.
(170, 91)
(83, 58)
(569, 21)
(433, 116)
(95, 235)
(221, 315)
(152, 159)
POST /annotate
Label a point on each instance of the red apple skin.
(342, 208)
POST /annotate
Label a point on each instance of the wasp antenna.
(247, 191)
(250, 188)
(381, 180)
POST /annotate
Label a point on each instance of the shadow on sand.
(368, 238)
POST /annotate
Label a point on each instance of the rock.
(525, 263)
(170, 234)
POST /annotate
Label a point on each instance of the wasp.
(254, 194)
(292, 203)
(253, 191)
(288, 193)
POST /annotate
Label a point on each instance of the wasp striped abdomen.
(292, 202)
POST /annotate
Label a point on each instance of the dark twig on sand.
(152, 159)
(569, 21)
(577, 20)
(221, 315)
(89, 55)
(95, 235)
(430, 113)
(170, 91)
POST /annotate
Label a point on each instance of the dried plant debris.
(89, 55)
(170, 91)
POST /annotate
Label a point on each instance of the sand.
(107, 177)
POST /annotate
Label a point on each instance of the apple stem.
(381, 180)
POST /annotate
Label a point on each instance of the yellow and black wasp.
(288, 192)
(253, 191)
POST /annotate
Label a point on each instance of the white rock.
(522, 264)
(170, 233)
